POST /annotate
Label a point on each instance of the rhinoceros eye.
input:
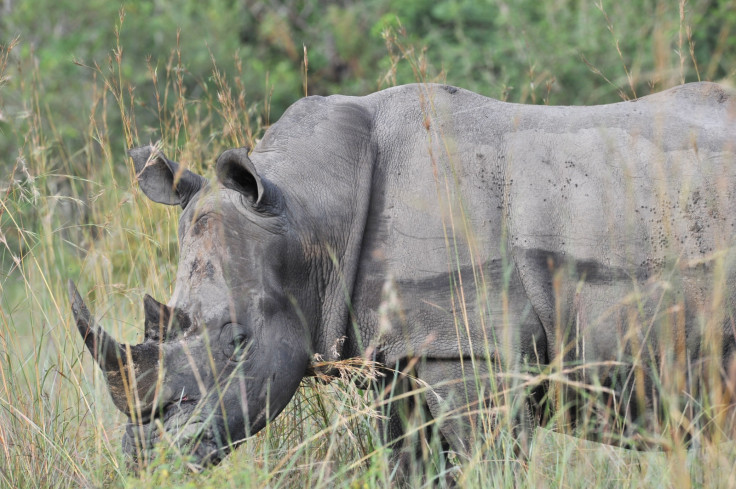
(234, 340)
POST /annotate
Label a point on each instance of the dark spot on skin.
(449, 89)
(200, 225)
(209, 269)
(183, 322)
(195, 267)
(696, 197)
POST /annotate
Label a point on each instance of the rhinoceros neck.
(321, 156)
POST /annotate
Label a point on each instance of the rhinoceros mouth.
(180, 426)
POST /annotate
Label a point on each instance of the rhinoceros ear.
(235, 171)
(163, 180)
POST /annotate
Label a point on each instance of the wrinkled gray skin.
(426, 221)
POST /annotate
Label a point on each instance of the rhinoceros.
(582, 251)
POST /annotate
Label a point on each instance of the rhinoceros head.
(228, 350)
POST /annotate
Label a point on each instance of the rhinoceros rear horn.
(157, 318)
(163, 180)
(106, 351)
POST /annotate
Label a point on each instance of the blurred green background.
(558, 51)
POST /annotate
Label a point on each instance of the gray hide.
(428, 222)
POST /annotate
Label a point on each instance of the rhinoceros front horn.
(108, 353)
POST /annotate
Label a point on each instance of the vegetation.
(82, 82)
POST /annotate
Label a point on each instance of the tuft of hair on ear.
(186, 183)
(162, 180)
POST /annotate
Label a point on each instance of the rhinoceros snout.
(180, 427)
